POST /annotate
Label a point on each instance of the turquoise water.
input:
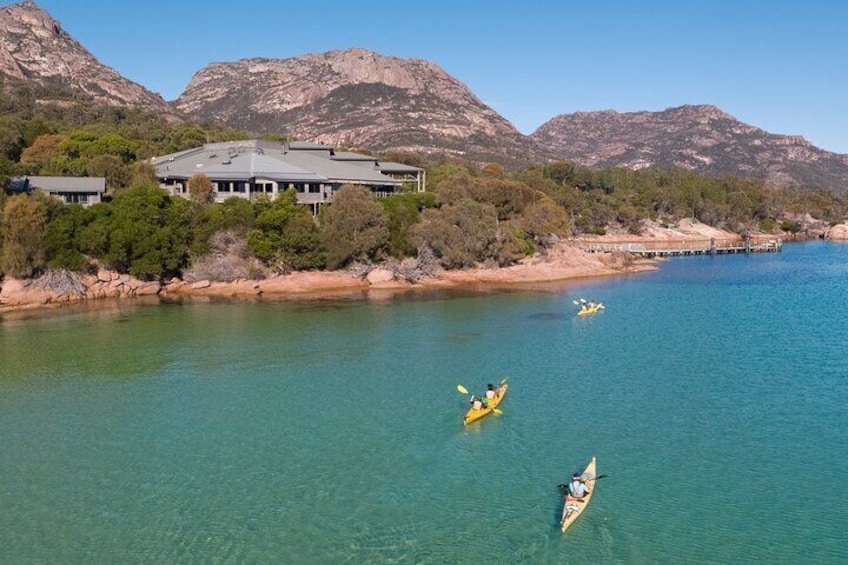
(713, 393)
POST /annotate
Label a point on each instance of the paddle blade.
(497, 411)
(575, 302)
(503, 380)
(462, 389)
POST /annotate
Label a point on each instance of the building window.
(74, 198)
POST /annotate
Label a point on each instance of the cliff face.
(356, 98)
(700, 138)
(34, 48)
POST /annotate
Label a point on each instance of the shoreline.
(562, 263)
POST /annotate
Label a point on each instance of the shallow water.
(713, 393)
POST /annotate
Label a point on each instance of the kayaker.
(491, 392)
(577, 487)
(477, 403)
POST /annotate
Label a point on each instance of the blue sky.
(777, 65)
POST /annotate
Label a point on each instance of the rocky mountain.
(360, 99)
(700, 138)
(356, 98)
(36, 50)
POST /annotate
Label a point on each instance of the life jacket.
(576, 488)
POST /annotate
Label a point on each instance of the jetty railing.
(670, 248)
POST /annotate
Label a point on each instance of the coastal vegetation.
(471, 214)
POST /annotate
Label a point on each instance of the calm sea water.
(713, 392)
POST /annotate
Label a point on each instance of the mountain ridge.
(412, 101)
(34, 48)
(365, 100)
(702, 138)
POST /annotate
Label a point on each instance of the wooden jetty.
(674, 248)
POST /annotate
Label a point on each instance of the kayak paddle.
(565, 485)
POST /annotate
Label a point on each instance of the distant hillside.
(700, 138)
(36, 50)
(360, 99)
(356, 98)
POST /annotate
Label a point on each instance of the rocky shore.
(62, 288)
(561, 263)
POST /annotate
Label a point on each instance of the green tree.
(403, 212)
(544, 218)
(62, 238)
(43, 150)
(148, 233)
(285, 236)
(460, 235)
(561, 172)
(235, 215)
(11, 138)
(355, 227)
(23, 223)
(116, 173)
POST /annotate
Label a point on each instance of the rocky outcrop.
(700, 138)
(839, 232)
(355, 98)
(65, 287)
(35, 48)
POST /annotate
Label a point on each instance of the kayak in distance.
(588, 307)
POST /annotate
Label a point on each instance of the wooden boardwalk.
(674, 248)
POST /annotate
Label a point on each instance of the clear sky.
(777, 65)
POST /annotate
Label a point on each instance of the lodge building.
(249, 168)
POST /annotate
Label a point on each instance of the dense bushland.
(471, 214)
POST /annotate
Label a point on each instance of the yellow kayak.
(585, 311)
(473, 415)
(574, 506)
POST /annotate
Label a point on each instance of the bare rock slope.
(35, 49)
(356, 98)
(700, 138)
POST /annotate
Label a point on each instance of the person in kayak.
(491, 391)
(577, 487)
(478, 403)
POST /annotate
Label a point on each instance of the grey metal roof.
(234, 160)
(392, 167)
(370, 160)
(348, 156)
(69, 184)
(307, 146)
(386, 167)
(339, 171)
